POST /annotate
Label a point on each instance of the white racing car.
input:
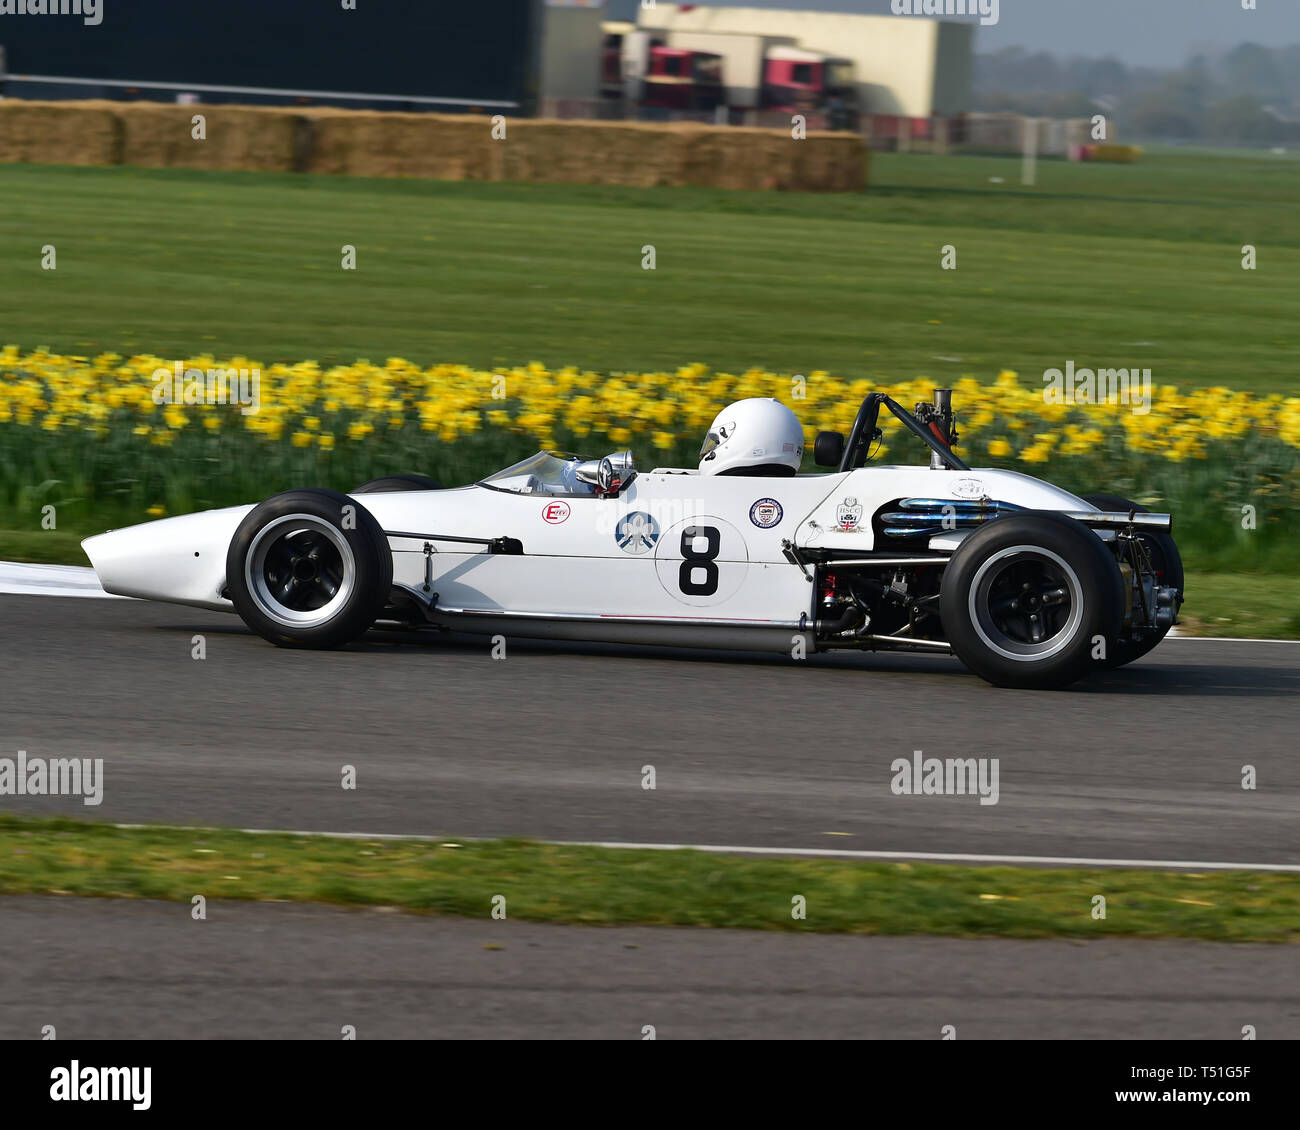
(1027, 584)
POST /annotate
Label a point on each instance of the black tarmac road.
(112, 969)
(552, 741)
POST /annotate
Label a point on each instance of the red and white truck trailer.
(701, 71)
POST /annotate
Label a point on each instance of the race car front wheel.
(309, 568)
(1027, 600)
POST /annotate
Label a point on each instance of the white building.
(903, 65)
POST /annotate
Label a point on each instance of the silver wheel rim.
(1026, 603)
(300, 571)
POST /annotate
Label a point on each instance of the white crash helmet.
(759, 436)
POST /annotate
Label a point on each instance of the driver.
(759, 436)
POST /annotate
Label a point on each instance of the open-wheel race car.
(1025, 583)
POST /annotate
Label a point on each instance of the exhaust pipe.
(1118, 520)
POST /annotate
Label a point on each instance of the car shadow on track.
(397, 643)
(1201, 680)
(884, 662)
(1146, 678)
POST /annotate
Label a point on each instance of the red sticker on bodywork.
(555, 512)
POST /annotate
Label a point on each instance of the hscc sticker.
(847, 515)
(555, 512)
(766, 513)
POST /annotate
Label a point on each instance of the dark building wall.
(462, 49)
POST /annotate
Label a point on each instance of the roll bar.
(864, 430)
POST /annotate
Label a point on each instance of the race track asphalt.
(117, 969)
(550, 742)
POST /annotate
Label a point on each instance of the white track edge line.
(1222, 639)
(716, 849)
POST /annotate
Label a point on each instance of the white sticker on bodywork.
(968, 488)
(702, 561)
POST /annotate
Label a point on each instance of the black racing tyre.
(1168, 564)
(1026, 597)
(390, 483)
(309, 568)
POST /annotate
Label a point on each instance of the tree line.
(1248, 94)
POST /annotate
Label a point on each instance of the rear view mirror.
(623, 470)
(608, 475)
(598, 473)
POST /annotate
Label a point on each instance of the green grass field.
(1114, 265)
(613, 887)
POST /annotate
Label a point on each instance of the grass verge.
(1254, 605)
(617, 887)
(44, 547)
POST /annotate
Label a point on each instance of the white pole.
(1029, 168)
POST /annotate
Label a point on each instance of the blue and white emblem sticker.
(766, 513)
(636, 533)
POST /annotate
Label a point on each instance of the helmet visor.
(718, 435)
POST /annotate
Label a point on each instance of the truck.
(797, 80)
(640, 71)
(683, 70)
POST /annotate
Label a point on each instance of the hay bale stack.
(1125, 154)
(440, 146)
(740, 158)
(60, 133)
(260, 139)
(623, 153)
(366, 143)
(830, 162)
(643, 154)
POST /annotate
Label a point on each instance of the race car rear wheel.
(390, 483)
(1168, 565)
(1027, 598)
(309, 568)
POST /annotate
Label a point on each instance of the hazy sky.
(1153, 32)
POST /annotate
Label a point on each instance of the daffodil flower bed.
(89, 436)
